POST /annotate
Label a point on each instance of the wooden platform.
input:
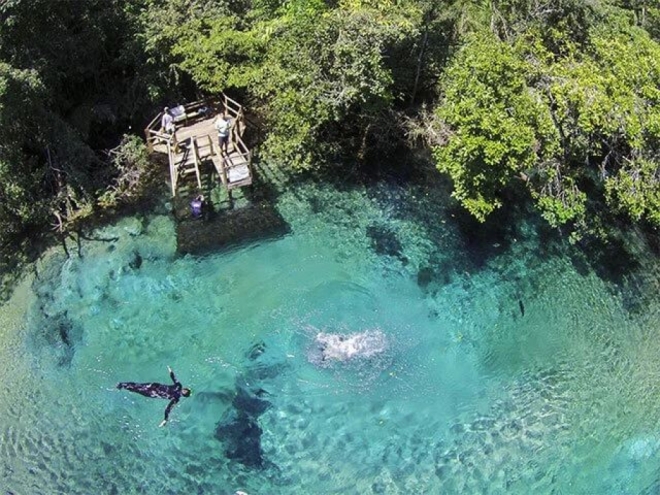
(195, 142)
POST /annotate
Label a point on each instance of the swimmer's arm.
(168, 410)
(172, 375)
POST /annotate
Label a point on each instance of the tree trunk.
(420, 60)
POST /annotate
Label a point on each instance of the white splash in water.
(344, 347)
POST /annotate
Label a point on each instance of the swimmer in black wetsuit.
(159, 391)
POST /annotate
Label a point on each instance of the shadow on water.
(610, 260)
(230, 228)
(229, 223)
(615, 261)
(480, 242)
(239, 428)
(61, 335)
(413, 189)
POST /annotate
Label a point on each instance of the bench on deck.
(184, 115)
(188, 114)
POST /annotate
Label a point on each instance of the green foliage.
(21, 94)
(45, 169)
(580, 125)
(82, 50)
(501, 128)
(136, 174)
(561, 201)
(66, 78)
(607, 110)
(561, 96)
(320, 73)
(635, 190)
(644, 13)
(167, 33)
(220, 54)
(326, 81)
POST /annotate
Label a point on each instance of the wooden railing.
(196, 163)
(233, 108)
(190, 114)
(173, 174)
(245, 158)
(193, 112)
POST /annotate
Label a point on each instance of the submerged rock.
(385, 242)
(256, 350)
(57, 335)
(136, 261)
(250, 402)
(424, 277)
(263, 371)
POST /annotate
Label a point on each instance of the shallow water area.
(520, 375)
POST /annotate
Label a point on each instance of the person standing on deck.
(223, 125)
(167, 122)
(159, 391)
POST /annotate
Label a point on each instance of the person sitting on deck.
(223, 125)
(159, 391)
(167, 122)
(197, 206)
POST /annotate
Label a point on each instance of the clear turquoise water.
(471, 396)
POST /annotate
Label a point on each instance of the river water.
(504, 364)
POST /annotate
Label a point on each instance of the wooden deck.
(195, 142)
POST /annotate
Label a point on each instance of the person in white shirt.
(223, 126)
(167, 122)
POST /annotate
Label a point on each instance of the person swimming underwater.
(159, 391)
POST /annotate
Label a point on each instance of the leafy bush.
(135, 173)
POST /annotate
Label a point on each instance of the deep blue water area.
(376, 342)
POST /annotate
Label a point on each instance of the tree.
(578, 123)
(21, 175)
(501, 128)
(66, 81)
(320, 74)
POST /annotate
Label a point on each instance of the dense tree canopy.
(573, 113)
(557, 96)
